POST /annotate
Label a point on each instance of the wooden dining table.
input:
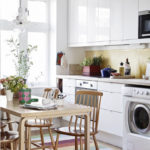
(14, 108)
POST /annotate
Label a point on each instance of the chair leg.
(51, 136)
(4, 146)
(28, 138)
(56, 143)
(81, 143)
(76, 143)
(95, 142)
(42, 137)
(11, 146)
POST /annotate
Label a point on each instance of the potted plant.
(12, 84)
(22, 59)
(91, 66)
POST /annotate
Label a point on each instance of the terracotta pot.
(91, 71)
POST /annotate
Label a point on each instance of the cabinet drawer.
(111, 122)
(69, 82)
(112, 101)
(69, 90)
(109, 87)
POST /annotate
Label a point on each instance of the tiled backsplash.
(137, 58)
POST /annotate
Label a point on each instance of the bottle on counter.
(121, 69)
(127, 67)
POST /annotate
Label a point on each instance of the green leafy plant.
(87, 62)
(97, 61)
(22, 59)
(13, 83)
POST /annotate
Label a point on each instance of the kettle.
(106, 72)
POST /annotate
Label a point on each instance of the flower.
(13, 83)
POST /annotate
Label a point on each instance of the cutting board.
(122, 77)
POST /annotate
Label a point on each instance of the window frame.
(38, 27)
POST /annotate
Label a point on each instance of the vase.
(9, 95)
(25, 96)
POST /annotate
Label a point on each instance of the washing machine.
(136, 118)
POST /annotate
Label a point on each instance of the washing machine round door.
(141, 118)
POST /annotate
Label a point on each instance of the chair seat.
(71, 131)
(8, 136)
(38, 123)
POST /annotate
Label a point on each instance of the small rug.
(68, 142)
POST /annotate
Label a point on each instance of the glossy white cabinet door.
(92, 20)
(130, 17)
(98, 20)
(144, 5)
(77, 21)
(111, 122)
(103, 31)
(116, 20)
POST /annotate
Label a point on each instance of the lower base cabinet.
(111, 122)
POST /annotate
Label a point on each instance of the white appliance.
(86, 85)
(136, 124)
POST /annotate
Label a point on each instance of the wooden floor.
(61, 122)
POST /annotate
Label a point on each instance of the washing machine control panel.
(141, 93)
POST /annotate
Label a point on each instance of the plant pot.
(25, 96)
(91, 71)
(9, 95)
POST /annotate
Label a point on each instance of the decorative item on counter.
(59, 57)
(12, 84)
(106, 72)
(127, 67)
(25, 96)
(121, 69)
(64, 62)
(91, 67)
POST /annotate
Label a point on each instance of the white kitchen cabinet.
(111, 108)
(69, 89)
(144, 5)
(98, 20)
(77, 22)
(130, 19)
(111, 122)
(116, 20)
(112, 101)
(103, 20)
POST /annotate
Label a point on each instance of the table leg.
(87, 132)
(22, 134)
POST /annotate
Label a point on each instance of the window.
(8, 9)
(38, 72)
(35, 14)
(37, 34)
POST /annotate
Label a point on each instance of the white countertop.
(141, 82)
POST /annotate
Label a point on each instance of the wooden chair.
(8, 139)
(76, 125)
(41, 123)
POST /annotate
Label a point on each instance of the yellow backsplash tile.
(137, 58)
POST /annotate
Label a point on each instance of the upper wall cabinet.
(77, 22)
(116, 20)
(144, 5)
(98, 20)
(130, 19)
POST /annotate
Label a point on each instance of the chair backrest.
(92, 99)
(51, 93)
